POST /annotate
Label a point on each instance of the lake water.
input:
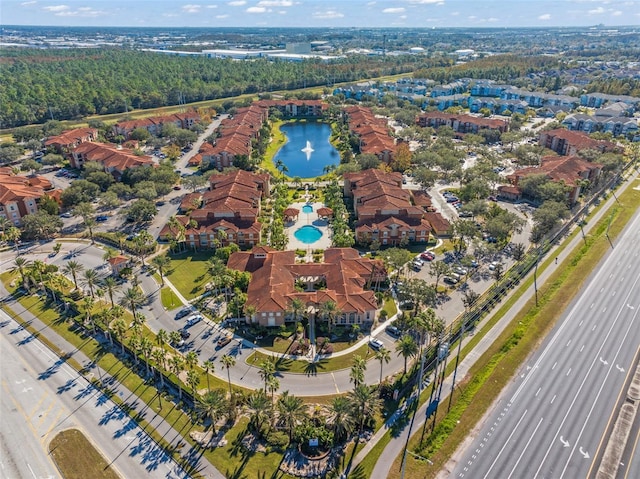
(303, 159)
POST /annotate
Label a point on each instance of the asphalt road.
(550, 421)
(41, 396)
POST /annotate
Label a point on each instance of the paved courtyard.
(310, 219)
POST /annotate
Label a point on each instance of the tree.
(40, 225)
(73, 268)
(365, 404)
(191, 359)
(111, 286)
(176, 363)
(296, 308)
(438, 269)
(146, 347)
(119, 328)
(330, 311)
(359, 366)
(144, 244)
(208, 367)
(267, 371)
(291, 411)
(161, 263)
(546, 217)
(20, 264)
(141, 211)
(498, 271)
(384, 356)
(132, 299)
(518, 251)
(193, 182)
(228, 362)
(193, 380)
(90, 279)
(213, 406)
(341, 417)
(260, 409)
(49, 205)
(407, 348)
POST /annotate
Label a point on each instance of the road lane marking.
(581, 321)
(35, 409)
(568, 372)
(554, 365)
(505, 444)
(569, 342)
(538, 391)
(582, 348)
(594, 328)
(553, 398)
(525, 448)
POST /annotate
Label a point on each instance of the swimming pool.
(307, 209)
(308, 234)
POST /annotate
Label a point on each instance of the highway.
(550, 421)
(41, 395)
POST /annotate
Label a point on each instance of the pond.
(307, 150)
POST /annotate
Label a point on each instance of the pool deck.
(308, 219)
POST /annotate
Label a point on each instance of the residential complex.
(372, 132)
(154, 124)
(19, 195)
(113, 158)
(569, 143)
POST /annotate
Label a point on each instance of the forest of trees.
(38, 85)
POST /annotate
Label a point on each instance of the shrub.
(277, 440)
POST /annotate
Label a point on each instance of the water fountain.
(307, 150)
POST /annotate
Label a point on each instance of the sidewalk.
(164, 429)
(395, 446)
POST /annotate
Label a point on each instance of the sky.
(320, 13)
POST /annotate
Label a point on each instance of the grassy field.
(188, 273)
(496, 367)
(76, 457)
(169, 299)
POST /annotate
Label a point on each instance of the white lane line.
(553, 398)
(525, 448)
(594, 328)
(538, 391)
(505, 444)
(554, 365)
(582, 348)
(569, 371)
(569, 342)
(584, 380)
(581, 321)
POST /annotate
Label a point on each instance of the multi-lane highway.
(41, 395)
(549, 423)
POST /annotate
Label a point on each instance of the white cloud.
(597, 11)
(546, 16)
(237, 3)
(455, 14)
(86, 12)
(212, 6)
(256, 10)
(493, 19)
(617, 13)
(328, 14)
(189, 8)
(57, 8)
(222, 17)
(24, 4)
(275, 3)
(426, 2)
(393, 10)
(371, 3)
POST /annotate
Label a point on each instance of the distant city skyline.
(321, 13)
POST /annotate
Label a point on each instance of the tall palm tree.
(191, 359)
(341, 418)
(161, 264)
(365, 404)
(267, 370)
(87, 304)
(73, 268)
(121, 239)
(295, 308)
(90, 279)
(291, 411)
(146, 347)
(359, 366)
(208, 367)
(384, 356)
(20, 265)
(330, 312)
(193, 380)
(132, 299)
(158, 355)
(111, 287)
(260, 407)
(406, 348)
(229, 361)
(174, 337)
(273, 385)
(213, 406)
(176, 363)
(119, 328)
(162, 337)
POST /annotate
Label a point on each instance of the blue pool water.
(303, 159)
(308, 234)
(307, 209)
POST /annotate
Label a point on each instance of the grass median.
(65, 450)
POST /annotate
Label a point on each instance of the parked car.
(185, 312)
(392, 331)
(427, 256)
(177, 187)
(452, 199)
(465, 214)
(67, 214)
(451, 279)
(376, 343)
(459, 270)
(184, 334)
(101, 218)
(493, 265)
(194, 319)
(223, 341)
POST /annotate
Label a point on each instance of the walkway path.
(396, 445)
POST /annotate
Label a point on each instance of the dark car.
(184, 334)
(102, 218)
(393, 331)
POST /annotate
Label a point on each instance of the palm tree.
(407, 348)
(109, 253)
(260, 407)
(174, 337)
(330, 312)
(291, 410)
(384, 356)
(191, 359)
(295, 308)
(267, 370)
(119, 328)
(73, 268)
(90, 279)
(177, 365)
(159, 356)
(365, 404)
(341, 418)
(146, 346)
(111, 287)
(132, 299)
(273, 385)
(87, 304)
(208, 367)
(20, 265)
(213, 406)
(356, 375)
(161, 263)
(193, 380)
(121, 239)
(229, 361)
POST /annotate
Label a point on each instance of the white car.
(460, 271)
(493, 265)
(191, 320)
(376, 343)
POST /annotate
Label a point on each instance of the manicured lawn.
(188, 273)
(389, 306)
(305, 367)
(169, 299)
(64, 448)
(278, 139)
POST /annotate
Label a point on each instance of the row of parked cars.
(194, 317)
